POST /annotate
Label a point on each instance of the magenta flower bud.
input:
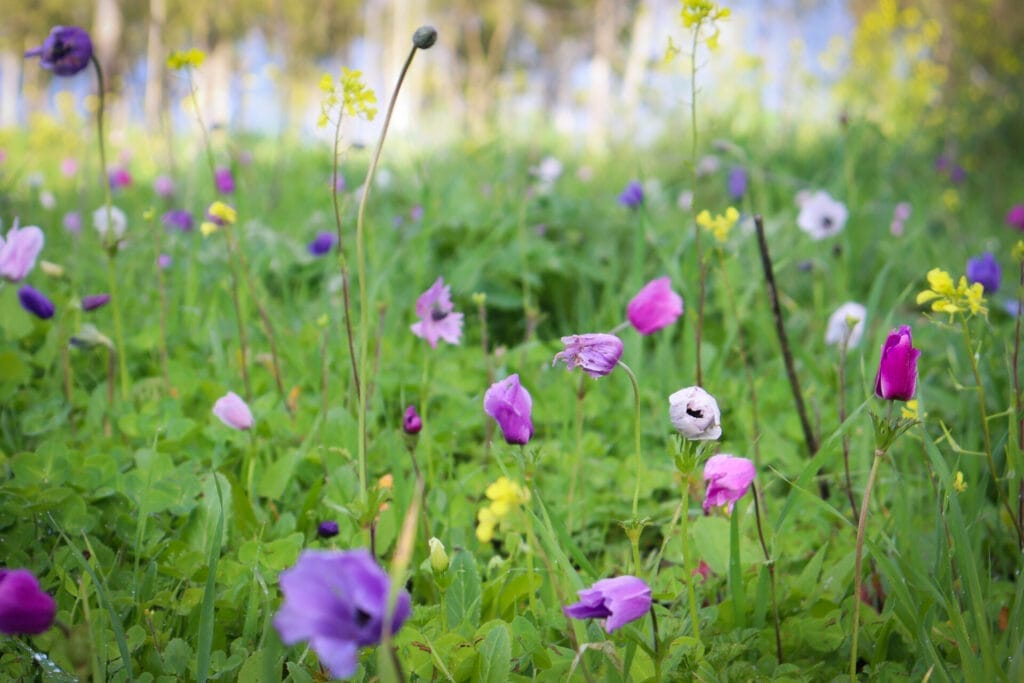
(65, 52)
(728, 478)
(93, 301)
(18, 253)
(35, 302)
(322, 243)
(897, 370)
(654, 307)
(619, 601)
(24, 607)
(327, 529)
(233, 411)
(633, 196)
(337, 601)
(119, 177)
(509, 403)
(1015, 217)
(224, 181)
(597, 354)
(411, 423)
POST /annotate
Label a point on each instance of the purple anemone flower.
(985, 269)
(412, 423)
(327, 529)
(35, 302)
(179, 219)
(897, 370)
(728, 479)
(596, 353)
(509, 403)
(737, 183)
(322, 243)
(93, 301)
(65, 52)
(438, 319)
(633, 196)
(618, 601)
(24, 606)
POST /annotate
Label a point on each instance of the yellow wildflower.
(720, 225)
(671, 50)
(947, 298)
(208, 228)
(959, 485)
(697, 12)
(185, 59)
(486, 523)
(1018, 251)
(224, 212)
(504, 495)
(909, 410)
(327, 83)
(358, 99)
(951, 198)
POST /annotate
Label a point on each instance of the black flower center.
(697, 414)
(438, 315)
(826, 221)
(362, 618)
(60, 49)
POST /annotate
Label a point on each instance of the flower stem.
(810, 439)
(771, 575)
(162, 290)
(843, 347)
(342, 264)
(364, 320)
(696, 228)
(1017, 397)
(858, 562)
(636, 437)
(115, 300)
(581, 392)
(684, 528)
(657, 650)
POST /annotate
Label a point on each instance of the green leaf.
(495, 656)
(463, 596)
(276, 477)
(711, 535)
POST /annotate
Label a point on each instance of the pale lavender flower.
(695, 414)
(18, 253)
(233, 411)
(618, 601)
(438, 319)
(596, 353)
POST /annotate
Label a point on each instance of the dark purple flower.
(737, 183)
(412, 423)
(1015, 217)
(728, 478)
(619, 600)
(985, 269)
(65, 52)
(337, 601)
(597, 354)
(897, 371)
(35, 302)
(24, 607)
(509, 403)
(179, 219)
(223, 180)
(958, 174)
(119, 178)
(94, 301)
(633, 196)
(327, 529)
(322, 243)
(654, 307)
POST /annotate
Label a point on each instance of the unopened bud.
(438, 556)
(425, 37)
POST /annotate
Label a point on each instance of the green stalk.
(684, 527)
(696, 228)
(857, 582)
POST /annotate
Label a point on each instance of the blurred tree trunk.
(215, 84)
(599, 104)
(10, 70)
(641, 41)
(485, 58)
(106, 39)
(154, 103)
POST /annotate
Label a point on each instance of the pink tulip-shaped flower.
(438, 319)
(727, 478)
(655, 306)
(233, 411)
(509, 403)
(19, 251)
(897, 371)
(597, 354)
(24, 607)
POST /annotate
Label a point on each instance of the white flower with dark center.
(821, 216)
(848, 319)
(694, 412)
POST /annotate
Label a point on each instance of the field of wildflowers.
(743, 409)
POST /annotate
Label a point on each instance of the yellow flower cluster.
(185, 59)
(218, 210)
(697, 12)
(504, 495)
(719, 225)
(949, 298)
(355, 98)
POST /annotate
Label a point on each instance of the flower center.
(60, 49)
(697, 414)
(362, 617)
(437, 315)
(826, 221)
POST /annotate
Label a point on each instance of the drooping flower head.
(337, 600)
(509, 403)
(655, 306)
(846, 323)
(896, 379)
(633, 196)
(24, 606)
(618, 601)
(18, 253)
(233, 411)
(821, 216)
(596, 353)
(946, 297)
(65, 52)
(728, 478)
(91, 302)
(322, 243)
(695, 414)
(36, 303)
(985, 271)
(438, 319)
(224, 180)
(412, 423)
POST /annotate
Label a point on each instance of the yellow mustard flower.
(959, 485)
(504, 495)
(208, 228)
(224, 212)
(952, 299)
(909, 410)
(697, 12)
(719, 225)
(1018, 251)
(358, 99)
(185, 59)
(486, 524)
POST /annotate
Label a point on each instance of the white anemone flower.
(822, 216)
(117, 225)
(694, 412)
(846, 323)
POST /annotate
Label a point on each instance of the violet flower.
(1015, 217)
(985, 269)
(728, 478)
(73, 222)
(633, 196)
(438, 319)
(163, 185)
(179, 219)
(596, 353)
(223, 180)
(412, 423)
(93, 301)
(233, 411)
(322, 243)
(655, 306)
(35, 302)
(897, 370)
(119, 178)
(24, 606)
(327, 529)
(164, 261)
(509, 403)
(737, 183)
(337, 601)
(65, 52)
(18, 253)
(618, 601)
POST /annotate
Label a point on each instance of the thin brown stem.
(842, 419)
(810, 439)
(243, 340)
(1017, 396)
(342, 265)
